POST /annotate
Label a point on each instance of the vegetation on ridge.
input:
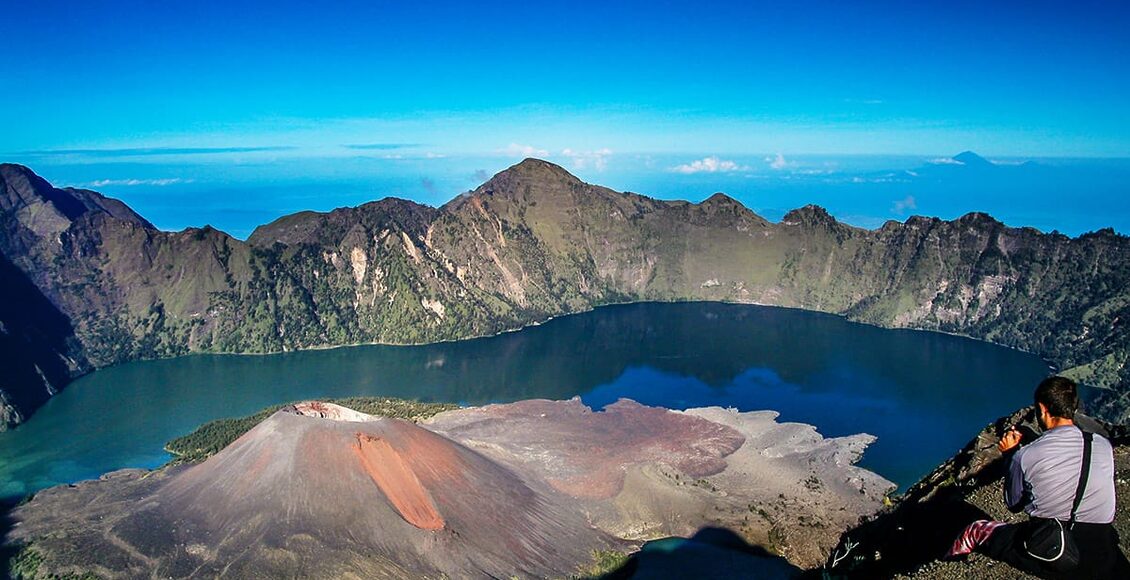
(603, 562)
(211, 437)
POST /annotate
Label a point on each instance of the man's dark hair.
(1059, 395)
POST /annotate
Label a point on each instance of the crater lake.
(923, 394)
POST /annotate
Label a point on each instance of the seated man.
(1042, 480)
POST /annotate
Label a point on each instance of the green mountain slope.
(535, 242)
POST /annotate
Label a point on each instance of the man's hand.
(1010, 440)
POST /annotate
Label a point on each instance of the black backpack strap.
(1083, 473)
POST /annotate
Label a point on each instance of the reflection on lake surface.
(923, 394)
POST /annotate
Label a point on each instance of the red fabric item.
(974, 535)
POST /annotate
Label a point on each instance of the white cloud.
(946, 161)
(581, 159)
(131, 182)
(648, 161)
(516, 150)
(401, 156)
(778, 163)
(709, 165)
(901, 206)
(884, 178)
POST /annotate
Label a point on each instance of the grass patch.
(603, 562)
(25, 564)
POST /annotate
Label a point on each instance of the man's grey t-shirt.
(1044, 474)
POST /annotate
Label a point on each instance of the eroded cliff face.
(37, 344)
(535, 242)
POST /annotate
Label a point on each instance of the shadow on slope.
(36, 343)
(710, 553)
(8, 551)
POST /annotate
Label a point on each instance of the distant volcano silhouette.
(971, 159)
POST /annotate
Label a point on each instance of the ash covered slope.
(530, 489)
(645, 472)
(534, 242)
(305, 496)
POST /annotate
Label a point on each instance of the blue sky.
(145, 95)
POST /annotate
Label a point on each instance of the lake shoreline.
(1052, 367)
(811, 367)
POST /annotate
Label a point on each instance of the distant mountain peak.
(531, 176)
(971, 159)
(720, 198)
(534, 162)
(14, 169)
(53, 208)
(22, 181)
(721, 210)
(533, 168)
(979, 218)
(808, 215)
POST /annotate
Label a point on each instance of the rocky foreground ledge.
(530, 489)
(907, 539)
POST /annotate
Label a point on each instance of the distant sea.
(1072, 196)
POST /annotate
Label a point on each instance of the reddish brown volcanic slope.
(391, 472)
(643, 472)
(596, 448)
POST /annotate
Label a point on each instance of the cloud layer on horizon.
(133, 182)
(710, 164)
(150, 151)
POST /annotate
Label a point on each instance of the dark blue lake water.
(924, 395)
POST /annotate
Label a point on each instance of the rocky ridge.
(531, 243)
